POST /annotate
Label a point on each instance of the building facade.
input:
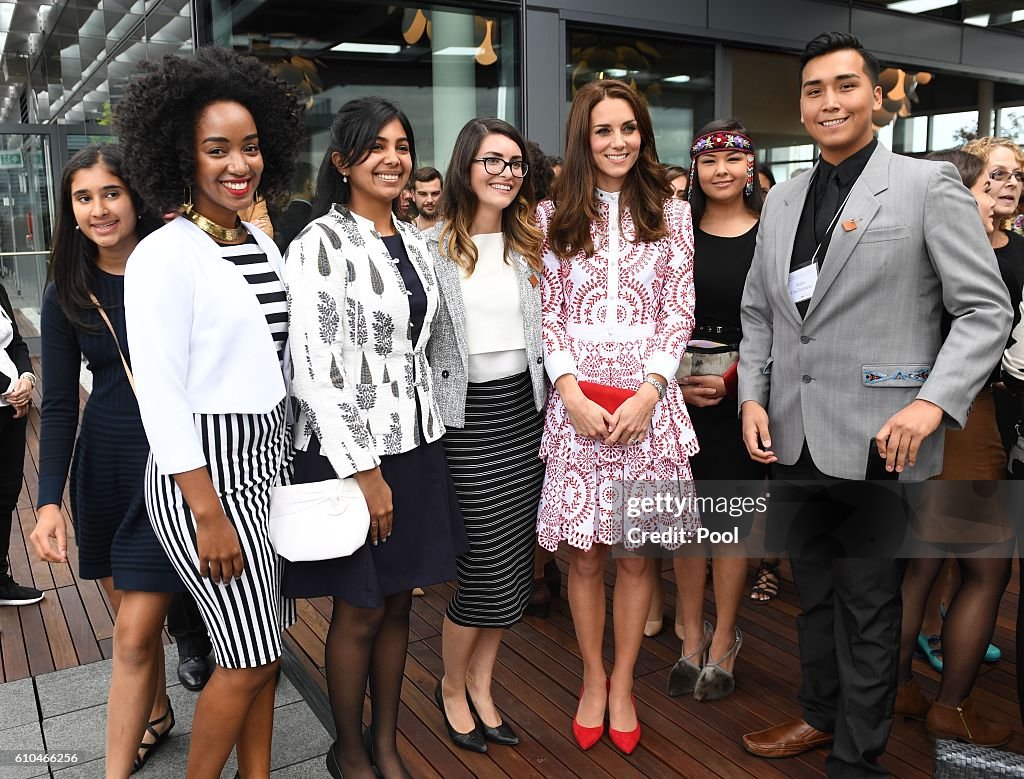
(952, 69)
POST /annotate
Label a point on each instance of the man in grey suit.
(842, 351)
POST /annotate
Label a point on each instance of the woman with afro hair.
(208, 329)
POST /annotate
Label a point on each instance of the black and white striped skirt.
(498, 477)
(245, 616)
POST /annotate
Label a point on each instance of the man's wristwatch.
(31, 378)
(657, 385)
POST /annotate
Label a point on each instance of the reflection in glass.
(443, 65)
(676, 78)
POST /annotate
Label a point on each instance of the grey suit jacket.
(908, 244)
(448, 349)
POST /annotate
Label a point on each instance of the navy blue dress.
(107, 463)
(428, 532)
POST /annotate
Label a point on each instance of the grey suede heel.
(683, 678)
(714, 682)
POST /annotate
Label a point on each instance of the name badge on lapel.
(802, 283)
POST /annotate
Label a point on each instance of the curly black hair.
(162, 103)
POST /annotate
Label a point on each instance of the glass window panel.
(444, 65)
(943, 9)
(910, 135)
(1001, 14)
(676, 77)
(1011, 123)
(952, 129)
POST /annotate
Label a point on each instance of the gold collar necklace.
(222, 234)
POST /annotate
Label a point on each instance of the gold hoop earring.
(187, 206)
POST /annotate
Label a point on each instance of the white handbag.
(318, 521)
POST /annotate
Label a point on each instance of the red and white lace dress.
(613, 318)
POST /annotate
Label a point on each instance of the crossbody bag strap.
(110, 327)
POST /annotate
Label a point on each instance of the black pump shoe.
(503, 734)
(332, 763)
(472, 741)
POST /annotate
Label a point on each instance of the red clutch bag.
(608, 398)
(731, 380)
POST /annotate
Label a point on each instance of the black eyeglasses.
(496, 166)
(999, 174)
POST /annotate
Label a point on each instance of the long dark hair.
(353, 132)
(698, 200)
(459, 202)
(73, 256)
(969, 166)
(645, 189)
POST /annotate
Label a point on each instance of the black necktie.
(826, 210)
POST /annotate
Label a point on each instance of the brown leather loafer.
(786, 740)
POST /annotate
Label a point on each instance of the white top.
(620, 294)
(494, 316)
(198, 338)
(7, 366)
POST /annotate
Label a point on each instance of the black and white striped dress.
(244, 455)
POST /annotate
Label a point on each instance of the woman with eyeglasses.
(1004, 164)
(487, 359)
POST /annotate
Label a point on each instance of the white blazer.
(198, 338)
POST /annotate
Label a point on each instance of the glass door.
(28, 178)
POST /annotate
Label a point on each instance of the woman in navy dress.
(99, 223)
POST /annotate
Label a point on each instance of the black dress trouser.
(842, 538)
(185, 624)
(12, 466)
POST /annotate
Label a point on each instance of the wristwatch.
(657, 385)
(31, 378)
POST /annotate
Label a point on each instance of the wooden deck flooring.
(537, 679)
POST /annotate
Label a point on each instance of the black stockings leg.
(387, 669)
(970, 620)
(350, 642)
(918, 581)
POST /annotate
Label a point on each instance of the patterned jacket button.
(805, 339)
(805, 379)
(540, 360)
(444, 374)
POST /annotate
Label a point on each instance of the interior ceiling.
(67, 60)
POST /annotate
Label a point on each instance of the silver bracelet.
(31, 378)
(657, 385)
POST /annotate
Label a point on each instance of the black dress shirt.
(811, 233)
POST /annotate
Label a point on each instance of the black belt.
(715, 333)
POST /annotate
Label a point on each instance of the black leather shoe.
(194, 672)
(503, 734)
(472, 741)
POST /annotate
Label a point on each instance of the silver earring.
(77, 227)
(344, 179)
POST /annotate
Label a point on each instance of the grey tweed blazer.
(908, 244)
(448, 349)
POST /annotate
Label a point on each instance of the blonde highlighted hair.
(459, 203)
(982, 147)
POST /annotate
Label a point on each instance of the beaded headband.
(722, 141)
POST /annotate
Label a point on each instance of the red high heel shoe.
(626, 740)
(586, 737)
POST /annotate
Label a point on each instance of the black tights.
(368, 644)
(970, 617)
